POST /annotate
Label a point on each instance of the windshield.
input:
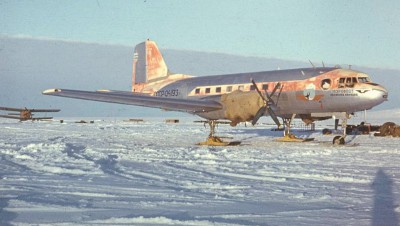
(363, 79)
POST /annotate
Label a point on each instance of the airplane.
(25, 114)
(315, 93)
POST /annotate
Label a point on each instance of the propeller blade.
(269, 96)
(267, 103)
(258, 91)
(275, 88)
(273, 116)
(258, 115)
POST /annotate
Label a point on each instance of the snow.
(113, 172)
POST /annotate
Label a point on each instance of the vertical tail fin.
(148, 65)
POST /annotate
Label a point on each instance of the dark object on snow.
(389, 129)
(172, 120)
(396, 131)
(137, 120)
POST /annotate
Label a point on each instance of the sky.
(363, 33)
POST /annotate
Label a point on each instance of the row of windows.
(228, 89)
(325, 84)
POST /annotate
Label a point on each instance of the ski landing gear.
(214, 140)
(290, 137)
(340, 140)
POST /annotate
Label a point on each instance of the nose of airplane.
(379, 94)
(384, 93)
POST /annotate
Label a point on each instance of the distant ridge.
(29, 66)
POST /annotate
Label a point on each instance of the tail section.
(148, 66)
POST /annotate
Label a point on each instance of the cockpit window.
(341, 82)
(363, 79)
(347, 82)
(350, 81)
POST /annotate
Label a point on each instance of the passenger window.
(326, 84)
(229, 89)
(218, 89)
(208, 90)
(197, 91)
(252, 87)
(354, 80)
(241, 88)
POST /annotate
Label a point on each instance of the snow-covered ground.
(113, 172)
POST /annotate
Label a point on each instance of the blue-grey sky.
(339, 32)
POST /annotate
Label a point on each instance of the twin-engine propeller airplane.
(26, 114)
(311, 94)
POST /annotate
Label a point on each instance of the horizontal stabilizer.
(130, 98)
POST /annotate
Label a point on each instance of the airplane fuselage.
(301, 91)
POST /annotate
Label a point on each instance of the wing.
(129, 98)
(10, 116)
(41, 118)
(11, 109)
(23, 119)
(44, 110)
(30, 110)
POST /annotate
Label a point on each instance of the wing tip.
(49, 91)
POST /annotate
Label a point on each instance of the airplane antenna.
(311, 64)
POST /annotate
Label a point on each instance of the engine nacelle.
(240, 106)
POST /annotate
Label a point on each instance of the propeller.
(268, 101)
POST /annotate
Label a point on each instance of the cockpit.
(345, 82)
(349, 82)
